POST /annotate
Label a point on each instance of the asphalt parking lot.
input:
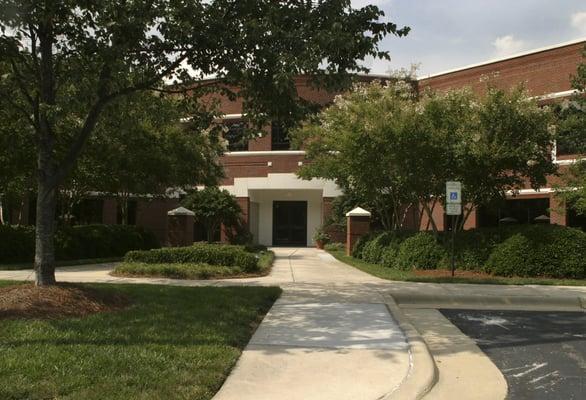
(541, 354)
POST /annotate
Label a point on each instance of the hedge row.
(526, 251)
(17, 243)
(199, 253)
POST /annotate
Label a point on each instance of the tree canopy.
(392, 149)
(68, 60)
(213, 207)
(572, 135)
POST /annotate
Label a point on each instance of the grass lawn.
(194, 270)
(411, 276)
(66, 263)
(171, 343)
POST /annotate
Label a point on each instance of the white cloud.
(507, 45)
(579, 21)
(363, 3)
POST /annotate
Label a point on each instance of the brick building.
(281, 209)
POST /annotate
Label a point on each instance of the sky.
(448, 34)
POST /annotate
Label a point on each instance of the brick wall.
(152, 215)
(544, 72)
(257, 166)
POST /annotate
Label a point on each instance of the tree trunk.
(123, 209)
(44, 235)
(21, 210)
(430, 216)
(1, 212)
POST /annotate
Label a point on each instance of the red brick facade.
(541, 72)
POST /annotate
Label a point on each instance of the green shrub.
(420, 251)
(472, 247)
(17, 243)
(213, 254)
(255, 248)
(390, 253)
(360, 243)
(265, 260)
(177, 271)
(373, 249)
(541, 251)
(335, 246)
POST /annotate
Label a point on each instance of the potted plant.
(320, 238)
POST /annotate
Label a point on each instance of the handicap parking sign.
(453, 192)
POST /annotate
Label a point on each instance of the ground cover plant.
(200, 261)
(167, 343)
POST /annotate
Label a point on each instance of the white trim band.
(264, 153)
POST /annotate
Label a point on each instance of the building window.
(132, 210)
(514, 211)
(279, 137)
(88, 211)
(570, 138)
(236, 136)
(575, 220)
(568, 143)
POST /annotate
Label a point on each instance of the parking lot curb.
(422, 300)
(422, 374)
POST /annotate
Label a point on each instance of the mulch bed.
(59, 301)
(440, 273)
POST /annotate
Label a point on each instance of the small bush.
(213, 254)
(390, 253)
(177, 271)
(420, 251)
(373, 249)
(541, 251)
(17, 243)
(359, 245)
(335, 247)
(255, 248)
(472, 247)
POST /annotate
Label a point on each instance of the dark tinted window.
(516, 211)
(279, 137)
(569, 143)
(235, 136)
(132, 209)
(571, 139)
(88, 211)
(576, 220)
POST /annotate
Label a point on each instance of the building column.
(358, 225)
(557, 213)
(180, 227)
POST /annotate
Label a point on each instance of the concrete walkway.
(320, 341)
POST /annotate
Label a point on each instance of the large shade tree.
(391, 149)
(68, 60)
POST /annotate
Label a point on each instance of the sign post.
(453, 208)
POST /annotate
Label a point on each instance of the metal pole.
(453, 244)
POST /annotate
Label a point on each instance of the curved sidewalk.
(320, 340)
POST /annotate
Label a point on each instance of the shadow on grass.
(173, 342)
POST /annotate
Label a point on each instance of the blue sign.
(453, 195)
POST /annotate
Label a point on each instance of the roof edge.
(496, 60)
